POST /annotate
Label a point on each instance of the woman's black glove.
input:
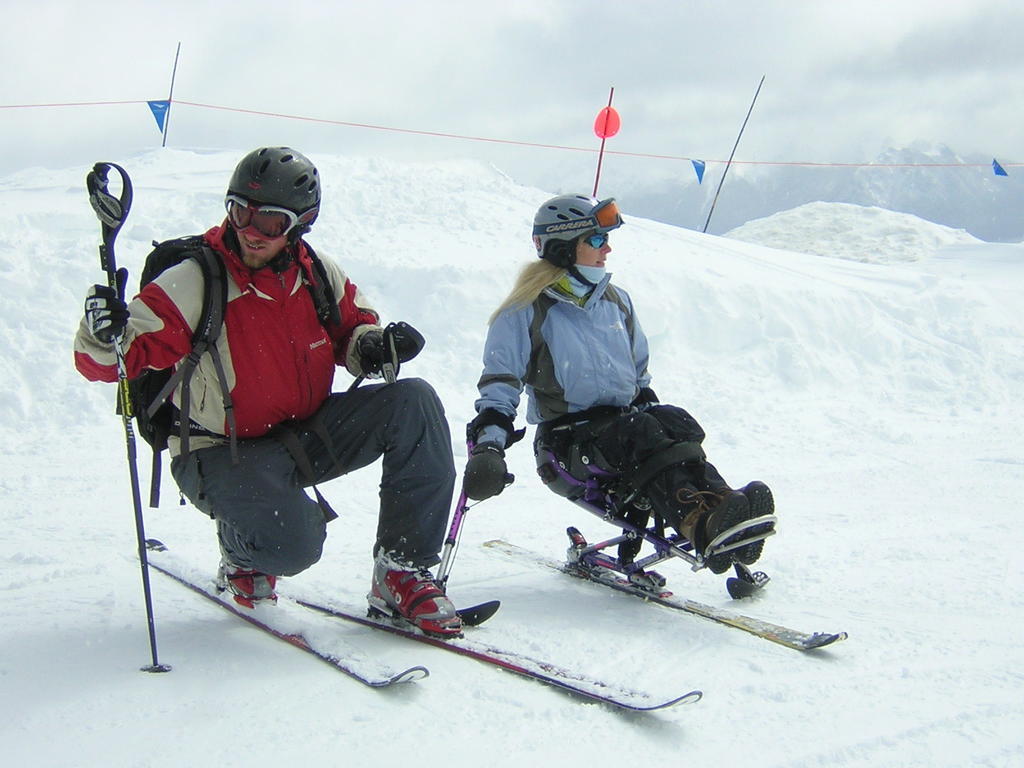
(645, 399)
(486, 474)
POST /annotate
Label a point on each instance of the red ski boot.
(248, 588)
(413, 595)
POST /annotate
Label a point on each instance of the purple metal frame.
(593, 495)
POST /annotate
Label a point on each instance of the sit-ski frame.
(598, 495)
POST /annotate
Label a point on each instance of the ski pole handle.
(111, 211)
(402, 343)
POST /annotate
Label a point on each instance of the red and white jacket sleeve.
(157, 336)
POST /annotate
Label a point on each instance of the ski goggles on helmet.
(604, 217)
(607, 215)
(269, 220)
(600, 240)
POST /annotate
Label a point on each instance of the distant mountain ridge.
(969, 197)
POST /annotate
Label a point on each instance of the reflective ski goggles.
(607, 215)
(600, 240)
(269, 220)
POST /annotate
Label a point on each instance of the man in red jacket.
(279, 360)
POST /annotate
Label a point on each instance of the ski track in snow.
(879, 397)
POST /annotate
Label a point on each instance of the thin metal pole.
(112, 213)
(604, 137)
(451, 541)
(722, 180)
(170, 96)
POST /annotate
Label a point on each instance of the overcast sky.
(843, 80)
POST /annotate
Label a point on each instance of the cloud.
(841, 79)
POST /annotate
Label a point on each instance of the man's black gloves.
(486, 473)
(384, 349)
(105, 313)
(371, 351)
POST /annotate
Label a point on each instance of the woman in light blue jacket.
(572, 340)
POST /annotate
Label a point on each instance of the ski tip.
(478, 614)
(410, 675)
(687, 698)
(155, 545)
(822, 639)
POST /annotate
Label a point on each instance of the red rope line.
(383, 127)
(72, 104)
(489, 140)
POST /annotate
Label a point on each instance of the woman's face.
(589, 256)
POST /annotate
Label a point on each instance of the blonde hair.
(532, 279)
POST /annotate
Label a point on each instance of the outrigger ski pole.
(477, 614)
(112, 211)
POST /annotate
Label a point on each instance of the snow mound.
(858, 233)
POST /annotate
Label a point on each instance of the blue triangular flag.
(159, 112)
(698, 166)
(997, 169)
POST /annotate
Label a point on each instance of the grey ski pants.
(265, 519)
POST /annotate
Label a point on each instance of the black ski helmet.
(279, 176)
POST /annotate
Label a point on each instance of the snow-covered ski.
(520, 664)
(512, 661)
(346, 666)
(790, 638)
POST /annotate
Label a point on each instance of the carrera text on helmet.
(570, 225)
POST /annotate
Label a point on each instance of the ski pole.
(451, 542)
(112, 211)
(402, 343)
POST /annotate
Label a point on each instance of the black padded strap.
(204, 339)
(320, 288)
(493, 417)
(290, 439)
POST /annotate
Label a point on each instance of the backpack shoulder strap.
(215, 296)
(319, 283)
(204, 338)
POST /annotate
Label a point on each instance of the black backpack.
(149, 392)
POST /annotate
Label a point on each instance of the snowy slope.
(881, 401)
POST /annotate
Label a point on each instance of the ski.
(296, 639)
(511, 661)
(790, 638)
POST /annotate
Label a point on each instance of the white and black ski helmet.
(562, 220)
(279, 176)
